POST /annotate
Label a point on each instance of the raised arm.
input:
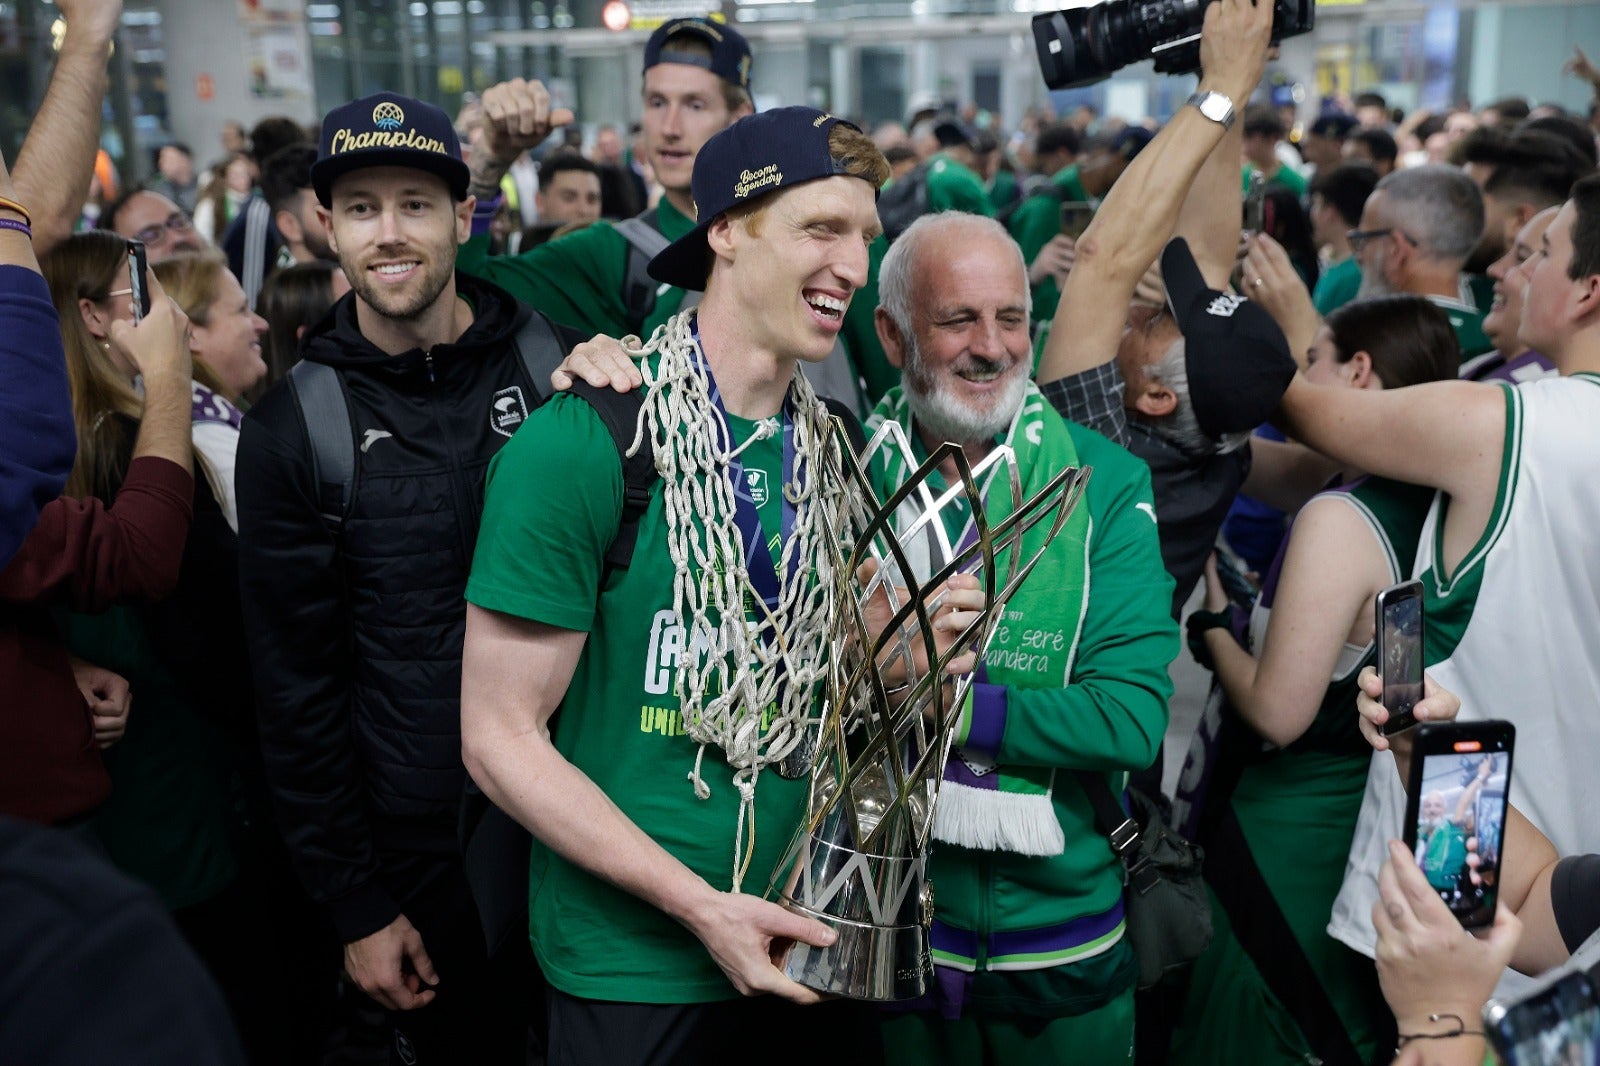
(37, 442)
(1444, 434)
(1137, 217)
(57, 158)
(1212, 213)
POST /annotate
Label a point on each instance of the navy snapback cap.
(388, 130)
(755, 157)
(1237, 359)
(1334, 124)
(730, 52)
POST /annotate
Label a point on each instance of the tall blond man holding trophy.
(684, 679)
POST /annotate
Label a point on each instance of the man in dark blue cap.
(359, 500)
(641, 911)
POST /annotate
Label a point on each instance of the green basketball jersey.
(553, 504)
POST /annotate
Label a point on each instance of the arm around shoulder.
(1444, 434)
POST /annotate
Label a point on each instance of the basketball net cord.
(727, 675)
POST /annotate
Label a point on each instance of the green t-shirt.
(1467, 322)
(1481, 286)
(553, 504)
(1035, 223)
(1002, 189)
(578, 281)
(952, 187)
(1288, 177)
(1337, 286)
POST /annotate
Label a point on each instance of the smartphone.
(1075, 217)
(1399, 622)
(1556, 1023)
(1255, 199)
(138, 280)
(1456, 812)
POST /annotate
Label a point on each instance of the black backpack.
(639, 289)
(319, 393)
(494, 846)
(903, 202)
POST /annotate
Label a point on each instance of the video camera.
(1086, 44)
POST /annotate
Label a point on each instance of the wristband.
(1196, 626)
(1460, 1030)
(8, 204)
(20, 227)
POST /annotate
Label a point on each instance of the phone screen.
(1075, 218)
(1457, 815)
(1556, 1025)
(138, 280)
(1400, 653)
(1254, 200)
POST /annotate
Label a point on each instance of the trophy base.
(881, 964)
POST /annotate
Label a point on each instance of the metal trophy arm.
(858, 859)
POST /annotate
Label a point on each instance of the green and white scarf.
(983, 805)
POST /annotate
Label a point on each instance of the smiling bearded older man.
(1028, 928)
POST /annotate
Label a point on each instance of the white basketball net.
(728, 675)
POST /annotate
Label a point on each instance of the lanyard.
(758, 558)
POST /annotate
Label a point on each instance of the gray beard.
(1372, 280)
(948, 418)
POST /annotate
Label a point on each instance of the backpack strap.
(645, 242)
(320, 395)
(540, 351)
(852, 423)
(620, 413)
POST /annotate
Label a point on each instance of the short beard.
(397, 305)
(1373, 283)
(946, 417)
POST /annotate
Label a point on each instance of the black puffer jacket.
(356, 644)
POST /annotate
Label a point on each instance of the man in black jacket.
(353, 591)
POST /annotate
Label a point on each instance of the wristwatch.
(1214, 106)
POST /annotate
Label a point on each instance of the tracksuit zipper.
(457, 480)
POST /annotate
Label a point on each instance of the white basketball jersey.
(1515, 632)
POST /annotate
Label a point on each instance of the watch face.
(1215, 107)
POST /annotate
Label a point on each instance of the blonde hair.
(194, 281)
(87, 266)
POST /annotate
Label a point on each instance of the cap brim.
(1182, 278)
(686, 261)
(324, 172)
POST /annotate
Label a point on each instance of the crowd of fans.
(249, 624)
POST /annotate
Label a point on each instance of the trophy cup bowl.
(858, 862)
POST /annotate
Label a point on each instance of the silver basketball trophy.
(858, 862)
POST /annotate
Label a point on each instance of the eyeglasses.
(1360, 238)
(177, 222)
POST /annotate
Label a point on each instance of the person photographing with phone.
(1434, 974)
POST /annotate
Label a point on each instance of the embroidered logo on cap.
(751, 180)
(388, 116)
